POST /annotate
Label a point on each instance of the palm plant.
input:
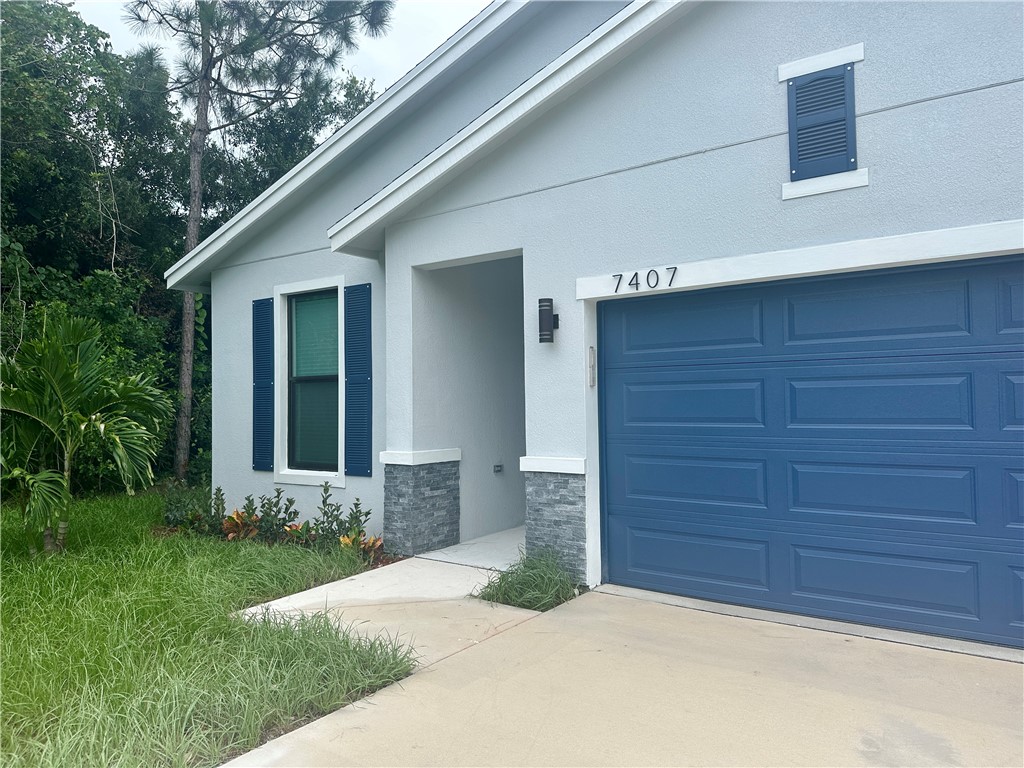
(57, 392)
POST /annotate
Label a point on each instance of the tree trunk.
(62, 526)
(196, 148)
(48, 545)
(62, 535)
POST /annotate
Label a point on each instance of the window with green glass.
(313, 381)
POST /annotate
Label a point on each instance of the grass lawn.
(123, 651)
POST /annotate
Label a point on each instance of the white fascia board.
(850, 53)
(636, 18)
(478, 29)
(933, 246)
(568, 466)
(416, 458)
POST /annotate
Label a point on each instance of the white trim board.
(976, 241)
(834, 182)
(416, 458)
(556, 79)
(568, 466)
(478, 29)
(818, 62)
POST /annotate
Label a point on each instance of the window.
(822, 133)
(312, 385)
(313, 381)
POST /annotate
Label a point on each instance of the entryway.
(469, 389)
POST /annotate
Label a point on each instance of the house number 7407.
(652, 279)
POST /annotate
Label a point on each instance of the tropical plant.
(241, 524)
(59, 391)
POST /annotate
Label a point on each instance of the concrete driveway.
(612, 680)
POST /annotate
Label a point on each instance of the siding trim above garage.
(999, 238)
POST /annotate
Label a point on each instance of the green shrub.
(192, 509)
(537, 582)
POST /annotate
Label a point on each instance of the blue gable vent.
(822, 135)
(358, 382)
(263, 385)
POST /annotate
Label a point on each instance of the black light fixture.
(548, 320)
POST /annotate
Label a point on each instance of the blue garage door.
(847, 447)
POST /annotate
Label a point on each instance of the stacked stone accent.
(556, 518)
(421, 507)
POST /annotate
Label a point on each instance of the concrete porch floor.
(496, 551)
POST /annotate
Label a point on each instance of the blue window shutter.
(358, 381)
(263, 385)
(822, 136)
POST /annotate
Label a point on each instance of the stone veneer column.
(421, 507)
(556, 511)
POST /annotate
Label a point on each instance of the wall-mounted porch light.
(548, 320)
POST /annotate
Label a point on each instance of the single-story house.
(720, 299)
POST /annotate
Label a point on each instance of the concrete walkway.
(423, 602)
(613, 680)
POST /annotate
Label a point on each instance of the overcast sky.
(417, 28)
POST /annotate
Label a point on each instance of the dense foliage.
(93, 199)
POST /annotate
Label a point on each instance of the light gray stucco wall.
(233, 291)
(469, 383)
(535, 37)
(679, 153)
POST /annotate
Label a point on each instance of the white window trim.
(832, 182)
(283, 475)
(827, 60)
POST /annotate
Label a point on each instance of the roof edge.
(182, 275)
(632, 21)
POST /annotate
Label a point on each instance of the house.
(722, 299)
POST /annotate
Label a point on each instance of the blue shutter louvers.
(822, 133)
(358, 381)
(263, 385)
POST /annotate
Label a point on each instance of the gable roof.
(607, 44)
(191, 272)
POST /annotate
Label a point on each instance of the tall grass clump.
(124, 651)
(537, 582)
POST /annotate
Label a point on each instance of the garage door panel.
(869, 312)
(868, 492)
(858, 456)
(913, 311)
(920, 492)
(725, 561)
(703, 326)
(870, 579)
(882, 401)
(972, 397)
(1016, 579)
(1011, 402)
(670, 480)
(673, 401)
(1013, 497)
(1010, 304)
(909, 586)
